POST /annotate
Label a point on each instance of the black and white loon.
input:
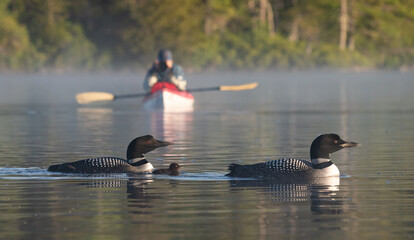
(295, 169)
(135, 162)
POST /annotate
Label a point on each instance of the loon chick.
(135, 163)
(294, 169)
(172, 170)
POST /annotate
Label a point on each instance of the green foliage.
(61, 42)
(223, 34)
(385, 32)
(75, 49)
(16, 52)
(206, 54)
(156, 24)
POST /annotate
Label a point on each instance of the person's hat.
(164, 55)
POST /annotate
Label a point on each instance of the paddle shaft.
(131, 95)
(188, 90)
(147, 94)
(204, 89)
(226, 88)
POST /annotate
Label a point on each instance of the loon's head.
(326, 144)
(174, 167)
(144, 144)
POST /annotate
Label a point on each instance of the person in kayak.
(164, 70)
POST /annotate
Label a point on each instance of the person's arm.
(150, 79)
(178, 78)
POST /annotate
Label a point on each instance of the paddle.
(226, 88)
(91, 97)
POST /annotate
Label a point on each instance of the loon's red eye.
(336, 141)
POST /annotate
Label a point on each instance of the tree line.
(206, 34)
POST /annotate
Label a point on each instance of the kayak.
(165, 96)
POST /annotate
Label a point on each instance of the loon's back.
(95, 165)
(275, 169)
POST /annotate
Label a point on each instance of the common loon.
(297, 169)
(135, 163)
(172, 170)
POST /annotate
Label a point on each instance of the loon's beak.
(159, 143)
(350, 144)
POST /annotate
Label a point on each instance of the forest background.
(67, 35)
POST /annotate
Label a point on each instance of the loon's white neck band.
(317, 161)
(134, 160)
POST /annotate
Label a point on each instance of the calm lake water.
(41, 124)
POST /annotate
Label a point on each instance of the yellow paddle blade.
(90, 97)
(239, 87)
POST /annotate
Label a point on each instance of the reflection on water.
(316, 191)
(171, 125)
(95, 120)
(323, 199)
(278, 119)
(320, 198)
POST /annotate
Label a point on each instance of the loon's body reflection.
(321, 192)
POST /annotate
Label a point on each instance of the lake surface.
(41, 124)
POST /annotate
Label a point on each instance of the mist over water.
(308, 90)
(41, 124)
